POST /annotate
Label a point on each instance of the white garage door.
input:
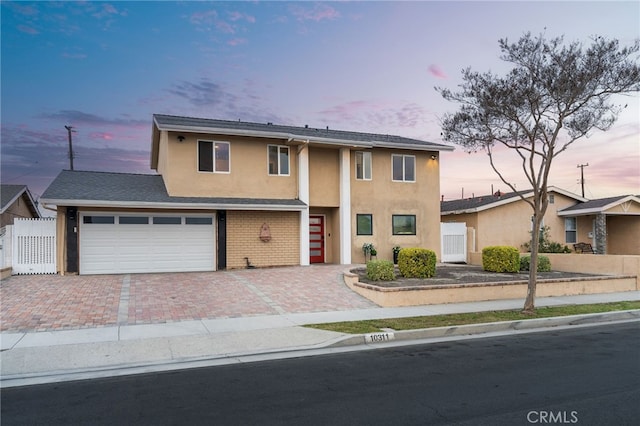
(112, 243)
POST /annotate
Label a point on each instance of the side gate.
(453, 237)
(34, 246)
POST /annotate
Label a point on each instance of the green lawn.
(413, 323)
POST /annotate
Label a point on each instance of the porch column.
(345, 206)
(303, 195)
(600, 236)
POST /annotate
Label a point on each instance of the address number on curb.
(378, 337)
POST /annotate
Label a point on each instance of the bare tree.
(554, 95)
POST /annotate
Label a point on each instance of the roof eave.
(171, 205)
(296, 136)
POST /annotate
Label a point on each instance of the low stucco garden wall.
(613, 274)
(585, 263)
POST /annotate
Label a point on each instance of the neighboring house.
(506, 219)
(610, 225)
(229, 194)
(17, 202)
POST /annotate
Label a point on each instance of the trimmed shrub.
(500, 259)
(380, 270)
(544, 264)
(417, 263)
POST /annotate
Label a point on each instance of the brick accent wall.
(243, 238)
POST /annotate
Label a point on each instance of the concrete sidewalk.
(53, 356)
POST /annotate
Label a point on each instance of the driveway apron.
(53, 302)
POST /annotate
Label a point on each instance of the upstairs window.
(214, 157)
(403, 168)
(363, 165)
(278, 160)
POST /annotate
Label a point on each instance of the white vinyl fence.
(34, 246)
(454, 241)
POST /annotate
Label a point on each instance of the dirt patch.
(463, 274)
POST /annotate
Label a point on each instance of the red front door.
(316, 239)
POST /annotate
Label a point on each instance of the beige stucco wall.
(324, 177)
(623, 234)
(249, 177)
(243, 238)
(585, 230)
(383, 198)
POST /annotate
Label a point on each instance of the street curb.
(476, 329)
(343, 343)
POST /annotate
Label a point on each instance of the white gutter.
(180, 206)
(291, 136)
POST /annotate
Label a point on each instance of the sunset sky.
(106, 67)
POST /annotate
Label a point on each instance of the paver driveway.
(53, 302)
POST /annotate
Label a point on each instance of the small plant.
(500, 259)
(380, 270)
(417, 263)
(545, 243)
(544, 264)
(396, 252)
(369, 250)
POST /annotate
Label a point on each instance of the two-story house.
(229, 194)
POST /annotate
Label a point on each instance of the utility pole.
(70, 130)
(582, 166)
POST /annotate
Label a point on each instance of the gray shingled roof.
(79, 186)
(595, 204)
(9, 192)
(170, 122)
(476, 202)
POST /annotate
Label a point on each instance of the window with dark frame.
(133, 220)
(104, 220)
(214, 156)
(404, 224)
(364, 224)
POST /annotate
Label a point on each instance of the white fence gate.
(34, 246)
(453, 237)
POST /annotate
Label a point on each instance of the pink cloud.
(101, 136)
(378, 115)
(237, 41)
(436, 71)
(318, 13)
(28, 30)
(206, 17)
(235, 16)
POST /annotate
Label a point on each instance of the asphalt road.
(584, 376)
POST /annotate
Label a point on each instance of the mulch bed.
(463, 274)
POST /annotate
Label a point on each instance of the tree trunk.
(529, 303)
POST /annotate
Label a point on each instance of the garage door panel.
(137, 248)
